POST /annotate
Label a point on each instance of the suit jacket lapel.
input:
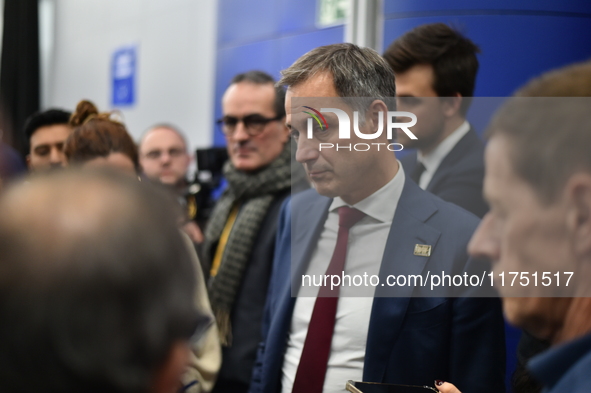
(390, 304)
(409, 163)
(466, 144)
(307, 224)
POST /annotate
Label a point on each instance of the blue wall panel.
(517, 48)
(294, 46)
(481, 7)
(271, 56)
(297, 16)
(243, 21)
(268, 35)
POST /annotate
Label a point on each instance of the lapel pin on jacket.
(422, 250)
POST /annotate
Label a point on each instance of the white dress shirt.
(367, 241)
(432, 160)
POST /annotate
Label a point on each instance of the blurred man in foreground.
(96, 287)
(538, 184)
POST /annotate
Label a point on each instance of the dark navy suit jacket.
(565, 368)
(459, 177)
(411, 340)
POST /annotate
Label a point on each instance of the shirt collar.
(381, 205)
(550, 366)
(434, 158)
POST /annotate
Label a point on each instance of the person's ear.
(167, 377)
(284, 130)
(578, 194)
(451, 105)
(376, 110)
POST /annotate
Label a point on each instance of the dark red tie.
(312, 367)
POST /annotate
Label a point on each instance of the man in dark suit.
(378, 226)
(431, 62)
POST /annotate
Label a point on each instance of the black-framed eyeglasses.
(253, 124)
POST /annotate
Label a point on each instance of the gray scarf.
(255, 193)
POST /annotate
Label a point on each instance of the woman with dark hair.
(99, 140)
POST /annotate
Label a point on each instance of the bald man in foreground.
(96, 287)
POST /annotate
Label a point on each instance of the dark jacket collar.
(551, 366)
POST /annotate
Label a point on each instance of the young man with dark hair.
(46, 133)
(433, 61)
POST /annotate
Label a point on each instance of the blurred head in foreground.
(96, 287)
(99, 140)
(538, 185)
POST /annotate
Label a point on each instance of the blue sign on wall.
(123, 72)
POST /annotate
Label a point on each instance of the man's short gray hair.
(357, 72)
(168, 126)
(548, 126)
